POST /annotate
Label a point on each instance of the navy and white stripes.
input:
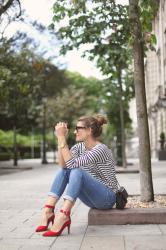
(98, 162)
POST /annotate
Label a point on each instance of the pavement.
(23, 193)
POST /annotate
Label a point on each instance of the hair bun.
(101, 119)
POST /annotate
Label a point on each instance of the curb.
(127, 171)
(131, 216)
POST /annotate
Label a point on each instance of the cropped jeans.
(80, 184)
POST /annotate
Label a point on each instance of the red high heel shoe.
(51, 219)
(66, 224)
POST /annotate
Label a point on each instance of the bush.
(5, 156)
(25, 152)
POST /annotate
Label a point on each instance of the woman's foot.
(47, 217)
(46, 214)
(62, 220)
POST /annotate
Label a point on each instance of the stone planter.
(131, 216)
(162, 155)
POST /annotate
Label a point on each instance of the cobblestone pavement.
(24, 193)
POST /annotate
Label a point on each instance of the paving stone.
(27, 196)
(28, 242)
(162, 228)
(123, 230)
(37, 247)
(20, 233)
(71, 242)
(7, 228)
(103, 243)
(10, 247)
(81, 217)
(145, 242)
(78, 229)
(5, 214)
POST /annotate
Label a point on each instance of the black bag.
(121, 198)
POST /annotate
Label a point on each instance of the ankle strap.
(49, 206)
(67, 213)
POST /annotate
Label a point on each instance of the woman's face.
(81, 131)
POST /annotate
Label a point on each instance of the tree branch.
(4, 8)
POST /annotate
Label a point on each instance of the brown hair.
(95, 123)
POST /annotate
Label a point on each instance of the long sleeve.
(98, 162)
(91, 157)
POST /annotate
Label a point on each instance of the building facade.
(155, 78)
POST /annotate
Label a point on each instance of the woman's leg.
(89, 190)
(57, 189)
(100, 197)
(73, 189)
(93, 193)
(60, 182)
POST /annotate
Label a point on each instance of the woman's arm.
(63, 149)
(61, 161)
(64, 153)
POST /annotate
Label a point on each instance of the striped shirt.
(98, 162)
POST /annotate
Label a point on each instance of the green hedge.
(5, 156)
(23, 153)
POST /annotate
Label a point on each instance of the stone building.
(155, 73)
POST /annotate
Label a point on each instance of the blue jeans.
(82, 185)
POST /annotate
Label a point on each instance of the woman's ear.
(89, 131)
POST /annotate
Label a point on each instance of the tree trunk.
(119, 148)
(44, 159)
(122, 127)
(146, 183)
(15, 159)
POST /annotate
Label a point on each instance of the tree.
(5, 6)
(92, 88)
(23, 78)
(109, 14)
(10, 10)
(104, 26)
(116, 102)
(147, 193)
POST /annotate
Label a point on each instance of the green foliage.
(162, 136)
(148, 9)
(104, 26)
(91, 87)
(80, 97)
(5, 156)
(6, 139)
(25, 77)
(111, 102)
(147, 13)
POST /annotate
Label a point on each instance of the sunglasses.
(79, 127)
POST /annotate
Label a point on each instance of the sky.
(41, 10)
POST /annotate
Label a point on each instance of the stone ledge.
(127, 170)
(127, 216)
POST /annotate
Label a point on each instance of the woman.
(88, 169)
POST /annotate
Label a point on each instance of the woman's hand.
(61, 129)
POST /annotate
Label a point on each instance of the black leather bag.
(121, 198)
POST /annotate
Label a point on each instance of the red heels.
(51, 219)
(66, 224)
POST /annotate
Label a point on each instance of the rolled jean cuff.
(53, 195)
(67, 197)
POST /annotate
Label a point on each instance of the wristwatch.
(62, 145)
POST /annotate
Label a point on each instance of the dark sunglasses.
(79, 127)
